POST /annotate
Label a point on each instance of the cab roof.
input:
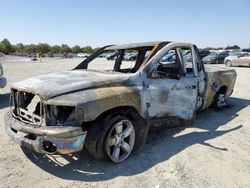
(136, 45)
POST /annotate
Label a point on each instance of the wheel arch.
(132, 111)
(222, 90)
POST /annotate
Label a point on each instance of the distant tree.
(6, 46)
(1, 47)
(55, 49)
(87, 49)
(19, 48)
(43, 48)
(96, 49)
(65, 48)
(211, 48)
(232, 47)
(76, 49)
(31, 48)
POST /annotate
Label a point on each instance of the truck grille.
(27, 107)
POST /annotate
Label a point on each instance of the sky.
(207, 23)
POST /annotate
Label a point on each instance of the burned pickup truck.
(108, 106)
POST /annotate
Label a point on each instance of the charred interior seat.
(169, 68)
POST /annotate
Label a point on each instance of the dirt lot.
(214, 152)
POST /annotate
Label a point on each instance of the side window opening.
(187, 58)
(129, 59)
(168, 66)
(104, 62)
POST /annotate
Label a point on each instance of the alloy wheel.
(120, 140)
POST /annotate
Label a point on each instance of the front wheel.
(228, 63)
(120, 140)
(116, 136)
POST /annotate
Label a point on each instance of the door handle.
(191, 87)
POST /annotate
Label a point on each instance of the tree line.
(234, 47)
(7, 48)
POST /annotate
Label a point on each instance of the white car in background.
(238, 59)
(82, 55)
(3, 80)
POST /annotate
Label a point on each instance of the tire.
(229, 63)
(220, 101)
(116, 137)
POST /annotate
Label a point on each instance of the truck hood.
(59, 83)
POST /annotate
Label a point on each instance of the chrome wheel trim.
(120, 140)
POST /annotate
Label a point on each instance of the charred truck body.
(109, 111)
(3, 80)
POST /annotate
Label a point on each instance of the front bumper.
(3, 81)
(64, 139)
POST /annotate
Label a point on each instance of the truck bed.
(218, 77)
(214, 68)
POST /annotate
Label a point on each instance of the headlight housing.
(63, 115)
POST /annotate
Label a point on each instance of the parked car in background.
(70, 55)
(130, 57)
(246, 50)
(215, 57)
(50, 55)
(169, 57)
(3, 80)
(111, 56)
(33, 57)
(237, 59)
(82, 55)
(204, 53)
(105, 54)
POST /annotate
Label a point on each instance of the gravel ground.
(213, 152)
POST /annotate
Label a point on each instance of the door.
(244, 60)
(172, 88)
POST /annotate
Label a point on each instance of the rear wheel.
(220, 101)
(228, 63)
